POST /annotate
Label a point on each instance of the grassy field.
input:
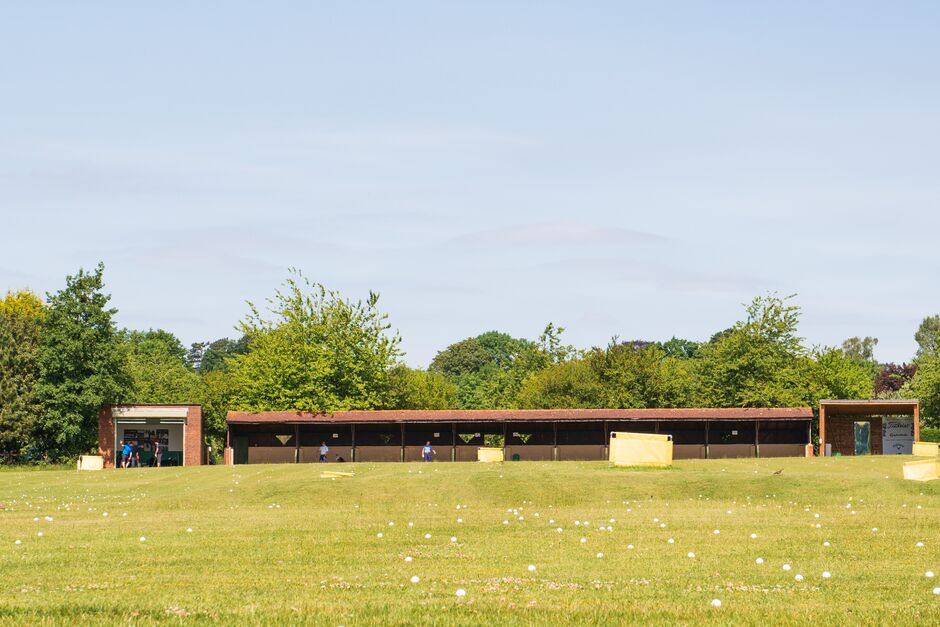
(277, 544)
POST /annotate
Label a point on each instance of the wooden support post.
(554, 441)
(352, 452)
(706, 439)
(453, 442)
(917, 422)
(757, 438)
(822, 430)
(402, 441)
(606, 439)
(296, 444)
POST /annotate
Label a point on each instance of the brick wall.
(192, 446)
(106, 437)
(840, 432)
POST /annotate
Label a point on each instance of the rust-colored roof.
(520, 415)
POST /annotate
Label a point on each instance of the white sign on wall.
(897, 437)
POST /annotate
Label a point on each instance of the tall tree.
(158, 371)
(756, 363)
(860, 348)
(927, 336)
(211, 356)
(891, 378)
(21, 316)
(410, 388)
(82, 365)
(314, 350)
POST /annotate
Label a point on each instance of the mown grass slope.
(277, 544)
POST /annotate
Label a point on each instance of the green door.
(862, 438)
(241, 450)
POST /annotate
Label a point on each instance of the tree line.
(307, 347)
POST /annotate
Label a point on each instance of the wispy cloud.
(638, 271)
(554, 234)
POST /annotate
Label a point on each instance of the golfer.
(126, 451)
(427, 451)
(324, 449)
(157, 452)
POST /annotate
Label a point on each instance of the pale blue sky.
(638, 169)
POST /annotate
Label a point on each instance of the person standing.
(126, 451)
(157, 452)
(324, 449)
(427, 452)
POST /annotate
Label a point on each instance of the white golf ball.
(600, 555)
(461, 592)
(716, 602)
(531, 568)
(408, 558)
(415, 579)
(759, 561)
(583, 540)
(786, 567)
(826, 574)
(427, 536)
(453, 538)
(798, 577)
(929, 574)
(380, 535)
(143, 539)
(691, 554)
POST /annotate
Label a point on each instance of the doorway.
(863, 438)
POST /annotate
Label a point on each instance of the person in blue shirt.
(126, 451)
(427, 451)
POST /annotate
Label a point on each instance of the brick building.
(877, 427)
(177, 427)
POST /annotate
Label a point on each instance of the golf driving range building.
(529, 434)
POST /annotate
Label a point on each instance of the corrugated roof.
(520, 415)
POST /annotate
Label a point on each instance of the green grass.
(277, 544)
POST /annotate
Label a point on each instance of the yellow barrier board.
(335, 474)
(926, 449)
(640, 449)
(922, 470)
(490, 454)
(90, 462)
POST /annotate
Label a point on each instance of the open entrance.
(144, 435)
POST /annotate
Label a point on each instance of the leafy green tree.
(211, 356)
(82, 365)
(316, 351)
(630, 373)
(21, 317)
(677, 347)
(411, 388)
(927, 336)
(567, 384)
(461, 358)
(489, 369)
(217, 398)
(756, 363)
(860, 348)
(158, 371)
(926, 386)
(832, 373)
